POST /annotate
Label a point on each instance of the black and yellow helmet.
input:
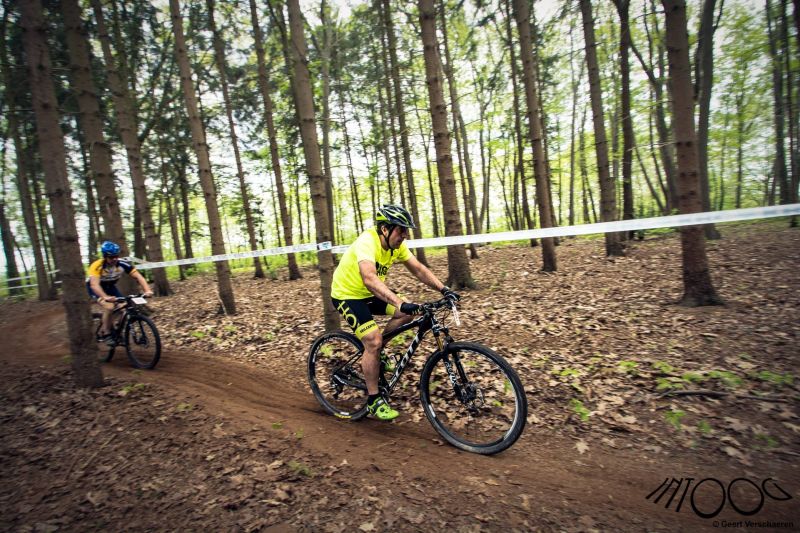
(395, 215)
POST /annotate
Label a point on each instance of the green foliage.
(692, 377)
(277, 425)
(132, 387)
(198, 334)
(779, 380)
(674, 418)
(182, 407)
(579, 409)
(704, 427)
(628, 367)
(729, 379)
(664, 368)
(769, 442)
(299, 468)
(667, 384)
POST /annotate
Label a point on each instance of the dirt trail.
(543, 481)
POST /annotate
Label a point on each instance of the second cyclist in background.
(359, 292)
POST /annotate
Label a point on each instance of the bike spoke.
(336, 377)
(475, 401)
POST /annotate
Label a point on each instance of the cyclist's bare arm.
(375, 285)
(423, 273)
(142, 282)
(94, 283)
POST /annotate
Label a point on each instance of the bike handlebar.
(433, 306)
(122, 299)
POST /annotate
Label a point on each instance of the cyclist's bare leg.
(397, 320)
(369, 361)
(108, 308)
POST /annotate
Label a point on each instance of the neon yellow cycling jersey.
(347, 282)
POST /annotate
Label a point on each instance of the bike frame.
(423, 324)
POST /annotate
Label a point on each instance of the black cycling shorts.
(358, 313)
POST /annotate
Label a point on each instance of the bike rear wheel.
(335, 376)
(473, 398)
(142, 343)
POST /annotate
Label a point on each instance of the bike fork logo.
(718, 493)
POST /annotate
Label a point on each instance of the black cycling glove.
(450, 294)
(410, 309)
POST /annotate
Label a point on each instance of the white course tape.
(225, 257)
(692, 219)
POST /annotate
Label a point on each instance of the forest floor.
(225, 434)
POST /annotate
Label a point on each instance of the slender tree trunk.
(222, 68)
(779, 168)
(462, 150)
(391, 109)
(22, 180)
(92, 123)
(126, 120)
(519, 167)
(704, 80)
(67, 248)
(325, 56)
(521, 13)
(628, 138)
(459, 274)
(308, 132)
(183, 185)
(575, 83)
(608, 187)
(8, 243)
(264, 87)
(698, 288)
(404, 131)
(471, 206)
(224, 286)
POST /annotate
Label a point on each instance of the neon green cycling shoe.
(381, 409)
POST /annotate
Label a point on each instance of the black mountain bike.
(136, 332)
(471, 395)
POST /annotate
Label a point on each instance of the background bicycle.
(470, 394)
(136, 332)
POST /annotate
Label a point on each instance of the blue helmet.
(109, 248)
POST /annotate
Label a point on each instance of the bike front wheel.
(335, 376)
(142, 343)
(473, 398)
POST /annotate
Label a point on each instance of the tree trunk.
(780, 163)
(665, 146)
(519, 159)
(458, 123)
(704, 80)
(521, 13)
(608, 187)
(222, 68)
(459, 274)
(126, 122)
(325, 57)
(401, 117)
(51, 146)
(22, 181)
(8, 244)
(264, 87)
(628, 138)
(92, 123)
(203, 162)
(698, 288)
(308, 132)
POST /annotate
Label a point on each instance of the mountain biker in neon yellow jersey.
(359, 292)
(101, 282)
